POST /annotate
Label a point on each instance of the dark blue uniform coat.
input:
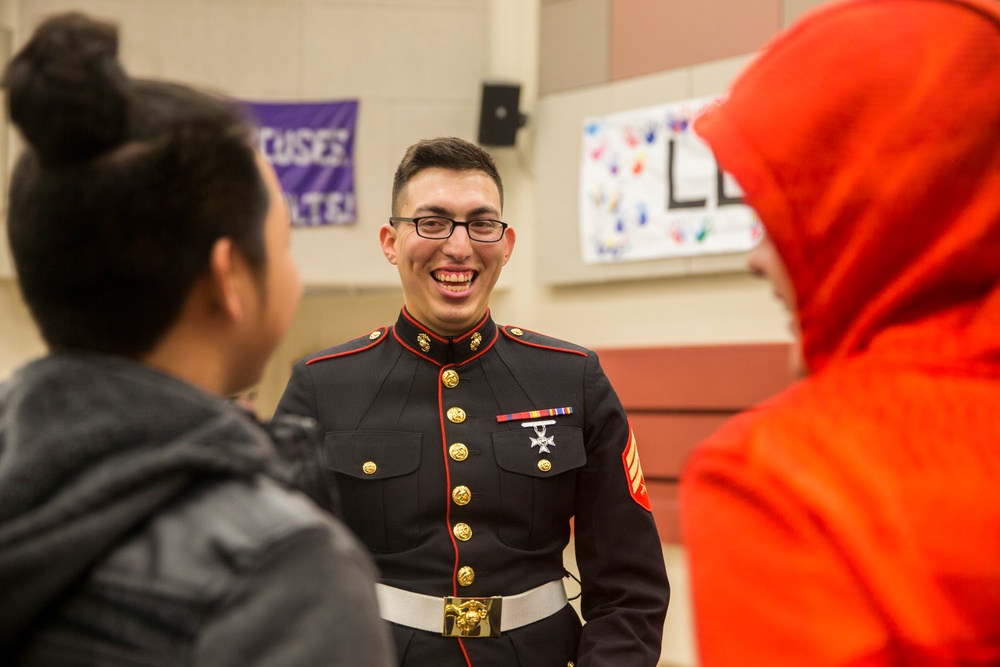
(399, 451)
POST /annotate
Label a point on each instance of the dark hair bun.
(67, 91)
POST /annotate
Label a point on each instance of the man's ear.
(387, 237)
(508, 241)
(227, 275)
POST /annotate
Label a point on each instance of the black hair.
(447, 153)
(125, 186)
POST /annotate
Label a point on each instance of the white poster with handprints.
(651, 188)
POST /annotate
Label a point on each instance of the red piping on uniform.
(413, 350)
(447, 477)
(480, 353)
(468, 660)
(360, 349)
(445, 341)
(542, 347)
(471, 331)
(447, 513)
(422, 327)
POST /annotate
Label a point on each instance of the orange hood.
(868, 142)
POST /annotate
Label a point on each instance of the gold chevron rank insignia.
(633, 470)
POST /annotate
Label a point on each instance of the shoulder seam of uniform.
(506, 332)
(382, 331)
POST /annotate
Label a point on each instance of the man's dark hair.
(122, 192)
(447, 153)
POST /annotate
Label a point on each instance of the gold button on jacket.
(461, 495)
(450, 379)
(462, 531)
(458, 451)
(466, 575)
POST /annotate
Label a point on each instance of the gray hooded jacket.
(145, 522)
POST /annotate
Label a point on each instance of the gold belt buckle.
(472, 617)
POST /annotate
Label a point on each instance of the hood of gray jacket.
(92, 446)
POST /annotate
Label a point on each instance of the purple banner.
(311, 146)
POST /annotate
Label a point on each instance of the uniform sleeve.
(304, 452)
(299, 397)
(625, 591)
(300, 463)
(769, 587)
(310, 600)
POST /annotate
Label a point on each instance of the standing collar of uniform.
(445, 350)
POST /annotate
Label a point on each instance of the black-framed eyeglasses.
(438, 227)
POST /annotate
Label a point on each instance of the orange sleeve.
(769, 586)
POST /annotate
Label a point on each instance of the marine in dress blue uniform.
(461, 461)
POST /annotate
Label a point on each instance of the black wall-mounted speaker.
(499, 117)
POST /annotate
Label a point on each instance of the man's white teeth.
(453, 277)
(455, 282)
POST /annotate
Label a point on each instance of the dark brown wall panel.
(708, 377)
(666, 440)
(677, 396)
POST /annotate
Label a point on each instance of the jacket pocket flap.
(372, 454)
(516, 452)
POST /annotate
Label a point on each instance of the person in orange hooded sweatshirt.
(854, 519)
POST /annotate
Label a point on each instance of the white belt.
(470, 617)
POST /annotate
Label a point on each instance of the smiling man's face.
(447, 282)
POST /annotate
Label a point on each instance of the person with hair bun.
(144, 517)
